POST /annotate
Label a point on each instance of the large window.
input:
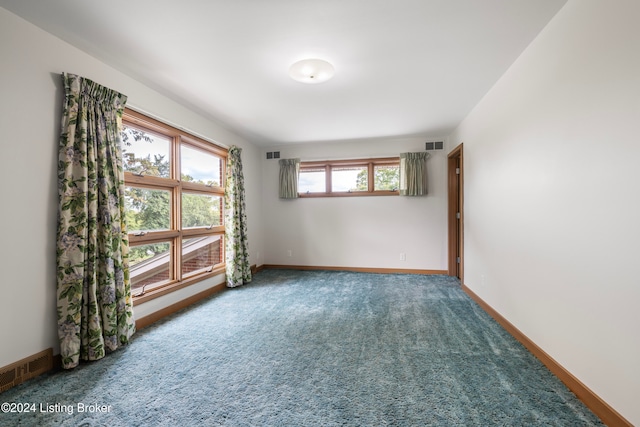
(362, 177)
(174, 202)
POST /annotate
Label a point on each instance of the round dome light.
(311, 71)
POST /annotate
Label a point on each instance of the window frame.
(175, 186)
(328, 166)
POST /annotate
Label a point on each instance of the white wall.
(30, 113)
(357, 231)
(552, 196)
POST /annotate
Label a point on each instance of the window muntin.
(359, 177)
(174, 201)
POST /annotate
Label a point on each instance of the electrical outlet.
(289, 253)
(403, 256)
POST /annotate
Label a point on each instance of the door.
(455, 213)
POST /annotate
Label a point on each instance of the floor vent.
(19, 372)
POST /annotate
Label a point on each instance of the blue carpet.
(313, 349)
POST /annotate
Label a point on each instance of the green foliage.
(200, 210)
(362, 181)
(151, 209)
(387, 179)
(209, 183)
(384, 179)
(137, 135)
(142, 165)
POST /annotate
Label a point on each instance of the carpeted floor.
(313, 349)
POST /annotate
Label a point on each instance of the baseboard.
(354, 269)
(25, 369)
(607, 414)
(143, 322)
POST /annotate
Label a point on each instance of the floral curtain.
(288, 184)
(413, 174)
(235, 223)
(95, 311)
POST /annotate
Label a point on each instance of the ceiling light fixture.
(311, 71)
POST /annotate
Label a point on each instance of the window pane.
(147, 210)
(145, 153)
(387, 177)
(201, 252)
(199, 210)
(149, 264)
(312, 181)
(349, 178)
(200, 166)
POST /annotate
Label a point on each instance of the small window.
(386, 177)
(349, 178)
(360, 177)
(312, 180)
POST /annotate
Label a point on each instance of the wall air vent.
(25, 369)
(435, 145)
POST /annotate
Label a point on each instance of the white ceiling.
(403, 67)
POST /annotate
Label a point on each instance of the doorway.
(455, 215)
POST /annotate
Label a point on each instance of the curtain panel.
(413, 174)
(95, 309)
(289, 170)
(238, 269)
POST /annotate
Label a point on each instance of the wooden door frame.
(455, 189)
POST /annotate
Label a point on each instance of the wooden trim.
(143, 322)
(174, 286)
(351, 162)
(195, 187)
(203, 231)
(347, 194)
(161, 128)
(328, 177)
(25, 369)
(368, 164)
(607, 414)
(153, 237)
(150, 181)
(455, 203)
(354, 269)
(205, 146)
